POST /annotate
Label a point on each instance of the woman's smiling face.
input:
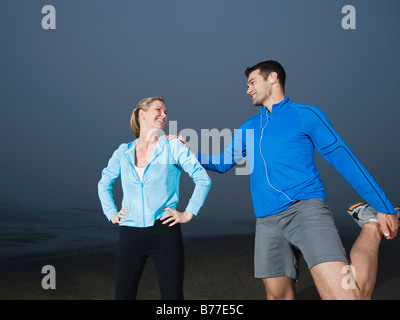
(156, 116)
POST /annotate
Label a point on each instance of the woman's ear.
(141, 114)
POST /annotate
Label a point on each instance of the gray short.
(306, 227)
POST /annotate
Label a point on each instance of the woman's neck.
(147, 138)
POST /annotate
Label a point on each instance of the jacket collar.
(275, 107)
(157, 150)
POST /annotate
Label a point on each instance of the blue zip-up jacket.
(160, 185)
(280, 150)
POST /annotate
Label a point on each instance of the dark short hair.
(266, 67)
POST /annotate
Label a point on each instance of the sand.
(81, 245)
(217, 268)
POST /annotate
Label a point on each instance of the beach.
(218, 261)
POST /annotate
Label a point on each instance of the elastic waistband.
(158, 222)
(157, 225)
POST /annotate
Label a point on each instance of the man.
(289, 197)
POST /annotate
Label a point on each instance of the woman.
(150, 168)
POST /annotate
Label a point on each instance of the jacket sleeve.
(333, 149)
(106, 184)
(232, 154)
(188, 162)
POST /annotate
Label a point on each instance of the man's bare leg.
(336, 280)
(279, 288)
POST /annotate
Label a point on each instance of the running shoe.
(363, 213)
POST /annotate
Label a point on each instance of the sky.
(67, 94)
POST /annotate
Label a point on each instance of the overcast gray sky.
(67, 94)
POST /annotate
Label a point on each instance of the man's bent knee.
(279, 288)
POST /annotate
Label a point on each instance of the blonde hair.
(144, 105)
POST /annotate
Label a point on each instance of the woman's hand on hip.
(122, 214)
(176, 217)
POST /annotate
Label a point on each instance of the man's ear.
(273, 77)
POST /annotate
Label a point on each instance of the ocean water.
(29, 232)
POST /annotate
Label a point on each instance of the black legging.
(164, 245)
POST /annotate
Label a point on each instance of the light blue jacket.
(160, 185)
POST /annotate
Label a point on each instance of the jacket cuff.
(193, 208)
(110, 213)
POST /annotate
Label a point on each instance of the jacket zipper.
(268, 118)
(141, 186)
